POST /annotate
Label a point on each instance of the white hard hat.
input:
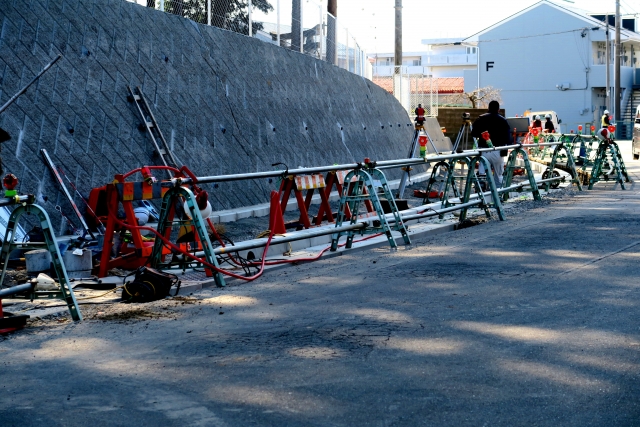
(606, 111)
(537, 117)
(548, 116)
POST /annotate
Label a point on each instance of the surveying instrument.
(463, 134)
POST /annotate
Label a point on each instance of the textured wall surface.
(273, 104)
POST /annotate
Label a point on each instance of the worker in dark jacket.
(548, 125)
(500, 135)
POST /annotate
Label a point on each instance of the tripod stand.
(463, 134)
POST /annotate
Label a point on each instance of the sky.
(372, 22)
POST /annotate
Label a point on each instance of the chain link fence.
(410, 89)
(300, 25)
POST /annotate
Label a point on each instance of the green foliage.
(228, 14)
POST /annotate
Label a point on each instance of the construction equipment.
(473, 180)
(151, 125)
(54, 170)
(27, 206)
(463, 134)
(608, 153)
(510, 169)
(365, 182)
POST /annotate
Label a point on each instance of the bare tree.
(478, 98)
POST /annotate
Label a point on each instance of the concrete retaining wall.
(225, 102)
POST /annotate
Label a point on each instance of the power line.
(542, 35)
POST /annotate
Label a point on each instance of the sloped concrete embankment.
(225, 102)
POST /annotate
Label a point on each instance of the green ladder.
(442, 178)
(608, 151)
(51, 244)
(550, 172)
(361, 185)
(473, 181)
(166, 224)
(510, 168)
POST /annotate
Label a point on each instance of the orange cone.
(276, 221)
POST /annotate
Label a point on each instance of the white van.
(554, 119)
(635, 141)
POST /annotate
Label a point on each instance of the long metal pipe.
(308, 234)
(383, 164)
(24, 89)
(16, 290)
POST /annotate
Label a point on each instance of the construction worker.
(605, 121)
(419, 116)
(500, 135)
(537, 123)
(548, 124)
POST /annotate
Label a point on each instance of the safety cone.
(276, 221)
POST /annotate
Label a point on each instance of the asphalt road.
(532, 321)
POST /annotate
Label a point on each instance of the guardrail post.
(472, 178)
(511, 165)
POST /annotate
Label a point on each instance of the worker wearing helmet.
(536, 122)
(548, 124)
(605, 119)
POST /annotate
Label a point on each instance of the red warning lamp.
(593, 128)
(422, 140)
(534, 131)
(10, 182)
(612, 128)
(485, 135)
(579, 128)
(571, 130)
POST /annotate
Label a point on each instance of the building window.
(471, 50)
(416, 62)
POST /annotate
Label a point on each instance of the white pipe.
(249, 13)
(301, 26)
(209, 12)
(278, 21)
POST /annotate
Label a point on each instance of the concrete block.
(38, 260)
(78, 263)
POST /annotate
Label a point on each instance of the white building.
(550, 57)
(545, 57)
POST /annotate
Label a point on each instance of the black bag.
(148, 285)
(504, 153)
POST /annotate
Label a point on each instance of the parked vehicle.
(554, 119)
(635, 141)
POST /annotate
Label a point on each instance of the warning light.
(10, 182)
(485, 135)
(593, 128)
(579, 128)
(534, 131)
(612, 128)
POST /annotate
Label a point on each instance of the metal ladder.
(151, 125)
(9, 244)
(609, 152)
(361, 185)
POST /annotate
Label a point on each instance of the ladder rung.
(136, 97)
(162, 152)
(149, 124)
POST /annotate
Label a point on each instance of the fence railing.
(300, 25)
(411, 85)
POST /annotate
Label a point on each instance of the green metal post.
(51, 244)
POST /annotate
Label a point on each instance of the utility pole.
(398, 50)
(332, 10)
(616, 72)
(607, 104)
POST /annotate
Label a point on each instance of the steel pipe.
(7, 292)
(8, 201)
